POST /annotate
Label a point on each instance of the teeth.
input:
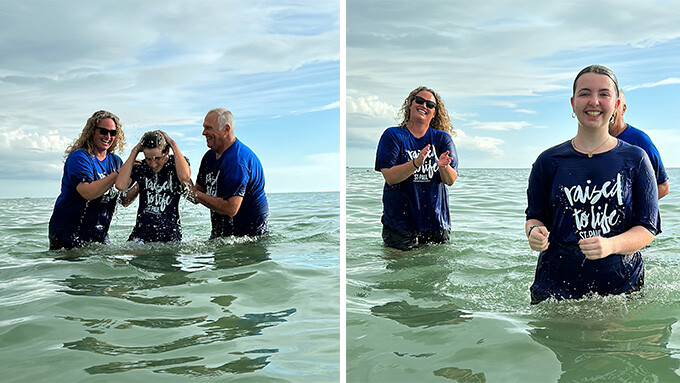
(591, 113)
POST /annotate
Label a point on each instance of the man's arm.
(228, 206)
(664, 189)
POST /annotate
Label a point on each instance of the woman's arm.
(181, 165)
(399, 173)
(629, 242)
(446, 172)
(95, 189)
(123, 181)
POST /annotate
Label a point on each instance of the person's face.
(155, 158)
(421, 112)
(102, 142)
(214, 138)
(595, 100)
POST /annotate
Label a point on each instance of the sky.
(164, 65)
(505, 71)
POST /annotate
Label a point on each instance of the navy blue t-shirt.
(577, 197)
(238, 172)
(637, 137)
(76, 221)
(421, 202)
(158, 212)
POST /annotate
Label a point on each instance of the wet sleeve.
(80, 167)
(657, 164)
(387, 154)
(538, 192)
(646, 198)
(235, 182)
(135, 175)
(451, 147)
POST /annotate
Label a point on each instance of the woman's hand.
(444, 159)
(538, 238)
(422, 155)
(596, 247)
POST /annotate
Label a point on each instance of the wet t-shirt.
(577, 197)
(636, 137)
(421, 202)
(159, 194)
(237, 172)
(75, 220)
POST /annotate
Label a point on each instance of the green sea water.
(460, 311)
(263, 310)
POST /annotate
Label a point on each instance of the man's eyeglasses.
(104, 131)
(155, 158)
(420, 101)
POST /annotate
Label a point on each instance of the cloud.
(667, 81)
(371, 106)
(499, 126)
(526, 111)
(314, 172)
(160, 67)
(489, 145)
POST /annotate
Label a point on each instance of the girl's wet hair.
(154, 139)
(598, 69)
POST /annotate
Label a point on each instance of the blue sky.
(505, 70)
(163, 65)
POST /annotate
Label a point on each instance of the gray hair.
(224, 118)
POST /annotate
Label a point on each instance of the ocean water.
(460, 311)
(242, 310)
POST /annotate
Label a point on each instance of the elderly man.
(230, 181)
(634, 136)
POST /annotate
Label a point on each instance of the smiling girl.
(592, 202)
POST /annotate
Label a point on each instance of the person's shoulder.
(114, 157)
(79, 155)
(634, 135)
(558, 150)
(441, 134)
(394, 131)
(625, 148)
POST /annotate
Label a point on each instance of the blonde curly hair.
(440, 121)
(86, 139)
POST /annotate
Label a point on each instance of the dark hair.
(154, 139)
(598, 69)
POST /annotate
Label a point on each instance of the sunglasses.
(420, 101)
(104, 131)
(155, 158)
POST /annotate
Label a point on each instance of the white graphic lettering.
(429, 167)
(590, 219)
(211, 183)
(159, 195)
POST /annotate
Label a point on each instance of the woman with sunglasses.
(83, 210)
(417, 159)
(592, 202)
(159, 181)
